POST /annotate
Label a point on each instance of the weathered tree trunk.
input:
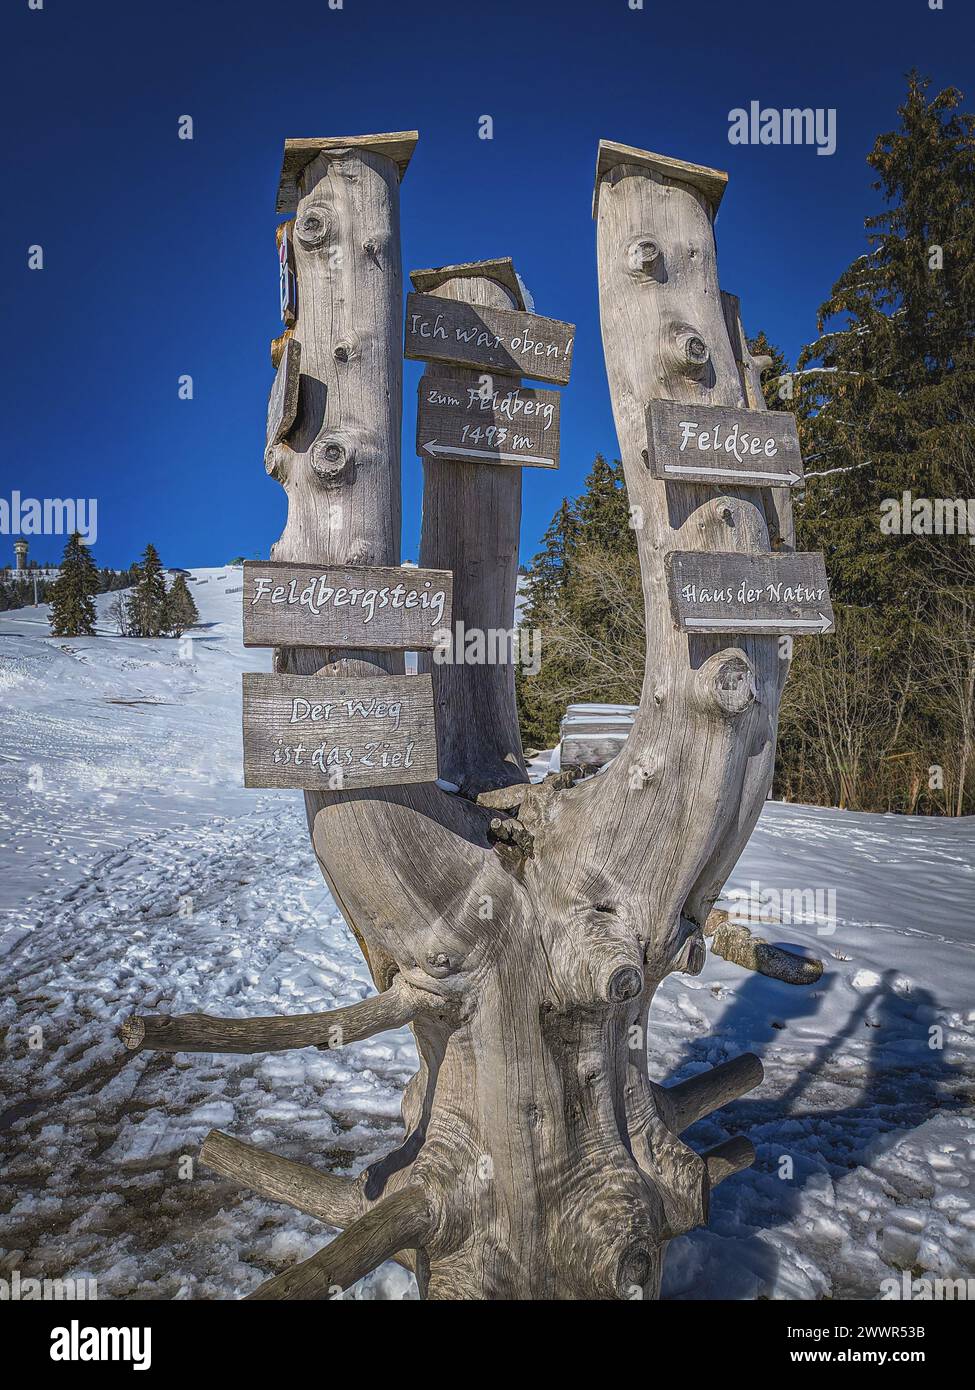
(523, 934)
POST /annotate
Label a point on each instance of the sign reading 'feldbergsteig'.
(767, 595)
(319, 733)
(363, 608)
(718, 444)
(470, 423)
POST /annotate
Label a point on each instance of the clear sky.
(159, 254)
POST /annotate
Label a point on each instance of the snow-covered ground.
(137, 873)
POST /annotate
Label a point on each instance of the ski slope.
(138, 874)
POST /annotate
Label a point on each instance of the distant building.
(20, 554)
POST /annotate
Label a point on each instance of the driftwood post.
(521, 930)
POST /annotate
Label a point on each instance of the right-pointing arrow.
(818, 624)
(740, 473)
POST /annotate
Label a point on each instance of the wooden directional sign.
(282, 406)
(355, 607)
(720, 445)
(320, 733)
(771, 594)
(495, 340)
(472, 424)
(287, 283)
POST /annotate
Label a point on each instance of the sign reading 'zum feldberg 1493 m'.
(357, 607)
(717, 444)
(769, 594)
(329, 733)
(497, 340)
(469, 423)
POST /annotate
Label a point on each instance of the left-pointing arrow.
(492, 455)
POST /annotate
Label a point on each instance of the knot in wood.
(692, 351)
(642, 256)
(312, 228)
(726, 684)
(333, 460)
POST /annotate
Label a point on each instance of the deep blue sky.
(160, 256)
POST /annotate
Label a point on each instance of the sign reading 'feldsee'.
(717, 444)
(498, 340)
(355, 607)
(321, 733)
(718, 591)
(469, 423)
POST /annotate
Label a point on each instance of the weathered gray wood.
(282, 406)
(711, 183)
(501, 271)
(777, 501)
(471, 525)
(326, 733)
(722, 446)
(398, 1005)
(463, 421)
(494, 340)
(689, 1101)
(770, 594)
(402, 1220)
(538, 1161)
(365, 608)
(397, 146)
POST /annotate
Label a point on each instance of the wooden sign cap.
(710, 182)
(501, 270)
(298, 154)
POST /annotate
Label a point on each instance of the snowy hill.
(139, 874)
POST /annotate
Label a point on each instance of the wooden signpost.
(762, 594)
(496, 340)
(353, 607)
(282, 406)
(718, 444)
(325, 733)
(287, 282)
(468, 423)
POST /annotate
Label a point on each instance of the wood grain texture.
(466, 334)
(720, 446)
(471, 525)
(326, 733)
(395, 1007)
(537, 1162)
(711, 183)
(282, 406)
(370, 608)
(467, 423)
(397, 146)
(501, 271)
(761, 594)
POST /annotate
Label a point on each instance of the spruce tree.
(148, 599)
(889, 384)
(72, 593)
(179, 609)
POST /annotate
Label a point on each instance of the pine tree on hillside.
(584, 597)
(889, 385)
(179, 610)
(148, 598)
(72, 593)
